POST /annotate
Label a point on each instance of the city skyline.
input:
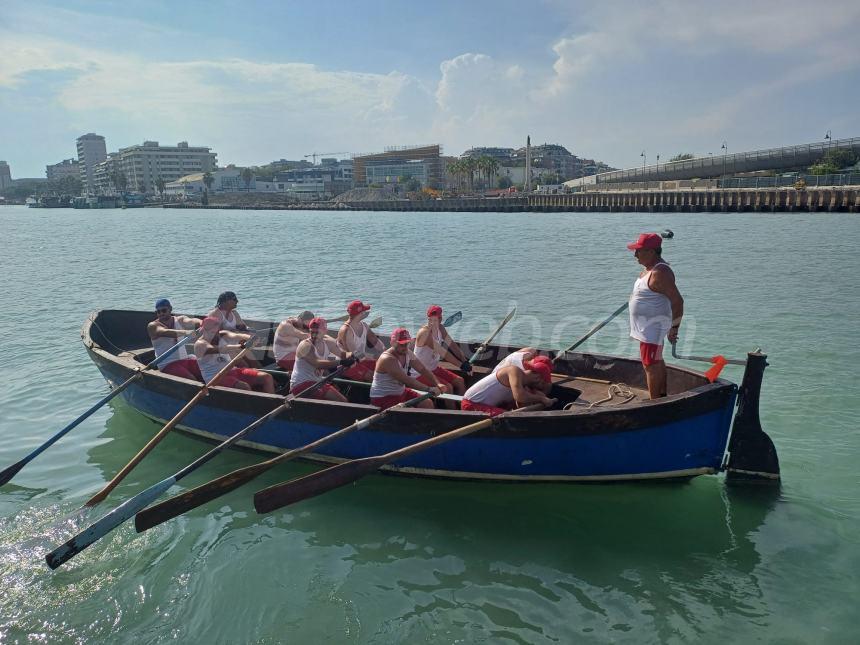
(284, 82)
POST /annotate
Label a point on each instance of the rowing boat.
(595, 433)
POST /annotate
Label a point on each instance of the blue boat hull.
(684, 440)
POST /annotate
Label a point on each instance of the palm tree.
(470, 165)
(159, 186)
(208, 180)
(492, 168)
(247, 176)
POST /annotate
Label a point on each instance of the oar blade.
(453, 319)
(296, 490)
(107, 523)
(11, 471)
(191, 499)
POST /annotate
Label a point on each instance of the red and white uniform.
(356, 342)
(430, 357)
(211, 364)
(304, 374)
(386, 391)
(286, 342)
(650, 318)
(178, 363)
(488, 395)
(228, 319)
(516, 358)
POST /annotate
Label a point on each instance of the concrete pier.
(835, 199)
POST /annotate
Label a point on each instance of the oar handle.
(704, 359)
(204, 391)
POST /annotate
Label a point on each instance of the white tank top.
(284, 345)
(516, 358)
(303, 371)
(228, 320)
(211, 364)
(162, 344)
(489, 391)
(650, 312)
(386, 385)
(355, 342)
(426, 354)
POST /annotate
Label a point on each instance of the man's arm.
(392, 367)
(157, 330)
(373, 341)
(453, 348)
(663, 281)
(188, 322)
(305, 352)
(240, 324)
(522, 394)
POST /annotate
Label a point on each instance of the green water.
(398, 560)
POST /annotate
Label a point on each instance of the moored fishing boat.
(690, 432)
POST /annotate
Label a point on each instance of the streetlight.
(829, 139)
(725, 150)
(643, 169)
(659, 186)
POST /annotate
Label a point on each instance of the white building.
(91, 151)
(144, 164)
(66, 168)
(5, 175)
(228, 180)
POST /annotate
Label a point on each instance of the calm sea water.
(398, 560)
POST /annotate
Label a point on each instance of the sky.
(259, 81)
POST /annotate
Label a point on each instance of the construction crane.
(323, 154)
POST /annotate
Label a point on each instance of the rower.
(391, 381)
(164, 332)
(225, 312)
(212, 352)
(356, 336)
(313, 355)
(288, 335)
(511, 385)
(519, 357)
(432, 344)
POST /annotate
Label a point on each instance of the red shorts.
(319, 393)
(184, 368)
(650, 353)
(244, 374)
(361, 371)
(470, 406)
(445, 376)
(287, 363)
(385, 402)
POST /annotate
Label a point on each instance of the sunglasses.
(163, 310)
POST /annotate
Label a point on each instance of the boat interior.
(581, 381)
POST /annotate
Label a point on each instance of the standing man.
(164, 332)
(313, 355)
(432, 344)
(391, 381)
(213, 350)
(656, 309)
(355, 336)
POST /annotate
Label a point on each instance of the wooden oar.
(195, 497)
(489, 340)
(591, 332)
(296, 490)
(121, 513)
(12, 470)
(204, 391)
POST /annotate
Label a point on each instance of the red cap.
(646, 241)
(318, 322)
(540, 367)
(542, 359)
(400, 336)
(434, 310)
(356, 307)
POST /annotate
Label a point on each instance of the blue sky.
(259, 81)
